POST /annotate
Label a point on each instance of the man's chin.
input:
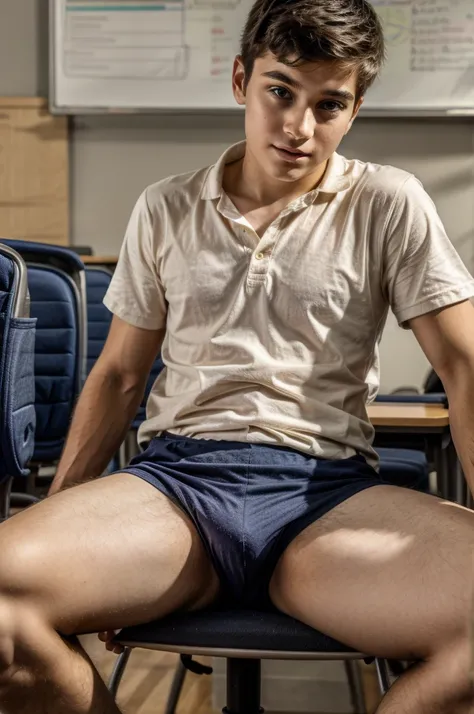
(289, 173)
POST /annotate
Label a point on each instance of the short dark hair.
(346, 32)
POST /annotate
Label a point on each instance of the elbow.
(457, 375)
(127, 383)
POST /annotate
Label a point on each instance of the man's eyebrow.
(282, 77)
(286, 79)
(340, 94)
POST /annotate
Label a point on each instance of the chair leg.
(243, 686)
(176, 687)
(383, 676)
(119, 669)
(354, 678)
(23, 500)
(5, 491)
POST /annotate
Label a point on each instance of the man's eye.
(332, 107)
(280, 92)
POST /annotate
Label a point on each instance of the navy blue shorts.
(248, 501)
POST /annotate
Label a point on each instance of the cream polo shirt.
(274, 339)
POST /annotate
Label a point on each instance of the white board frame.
(62, 110)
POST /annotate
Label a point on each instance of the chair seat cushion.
(404, 467)
(231, 630)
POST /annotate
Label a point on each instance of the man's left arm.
(447, 339)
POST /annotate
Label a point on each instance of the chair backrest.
(17, 380)
(99, 319)
(56, 282)
(433, 383)
(98, 316)
(157, 367)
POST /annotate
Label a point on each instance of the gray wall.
(114, 158)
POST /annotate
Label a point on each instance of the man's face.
(295, 117)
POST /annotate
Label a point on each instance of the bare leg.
(390, 573)
(428, 688)
(45, 663)
(431, 687)
(100, 556)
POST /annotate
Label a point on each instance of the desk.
(109, 260)
(408, 415)
(426, 427)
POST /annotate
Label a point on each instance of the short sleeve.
(422, 271)
(135, 293)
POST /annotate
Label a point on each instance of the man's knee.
(24, 590)
(452, 671)
(19, 629)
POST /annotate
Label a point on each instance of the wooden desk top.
(99, 259)
(401, 415)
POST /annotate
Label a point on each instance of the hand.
(107, 637)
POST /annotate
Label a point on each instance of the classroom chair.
(244, 638)
(432, 393)
(99, 319)
(57, 290)
(98, 316)
(17, 381)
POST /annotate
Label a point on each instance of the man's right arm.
(108, 403)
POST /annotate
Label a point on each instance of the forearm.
(460, 392)
(101, 420)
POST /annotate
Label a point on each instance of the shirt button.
(259, 256)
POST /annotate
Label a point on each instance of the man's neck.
(245, 179)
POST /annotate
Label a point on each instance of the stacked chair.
(56, 281)
(99, 319)
(17, 381)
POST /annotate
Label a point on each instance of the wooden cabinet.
(34, 171)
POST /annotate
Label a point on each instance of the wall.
(114, 158)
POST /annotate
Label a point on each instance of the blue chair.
(405, 467)
(244, 638)
(99, 319)
(57, 290)
(434, 398)
(413, 458)
(98, 316)
(17, 385)
(433, 393)
(156, 368)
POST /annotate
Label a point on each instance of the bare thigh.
(105, 555)
(388, 572)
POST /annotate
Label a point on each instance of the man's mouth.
(291, 153)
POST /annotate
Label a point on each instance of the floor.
(148, 677)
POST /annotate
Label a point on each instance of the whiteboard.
(168, 55)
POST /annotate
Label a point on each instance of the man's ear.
(238, 80)
(355, 112)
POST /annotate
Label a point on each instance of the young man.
(265, 281)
